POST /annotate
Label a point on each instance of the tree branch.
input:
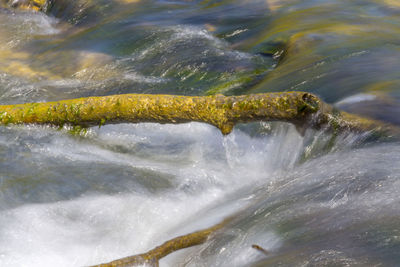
(300, 108)
(153, 256)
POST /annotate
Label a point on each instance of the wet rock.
(36, 5)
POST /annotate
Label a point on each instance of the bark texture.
(300, 108)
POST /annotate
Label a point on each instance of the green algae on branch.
(221, 111)
(300, 108)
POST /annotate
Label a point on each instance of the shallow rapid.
(308, 198)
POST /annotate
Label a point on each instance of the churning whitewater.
(305, 197)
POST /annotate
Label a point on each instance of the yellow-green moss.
(221, 111)
(27, 4)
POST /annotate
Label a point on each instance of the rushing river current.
(308, 199)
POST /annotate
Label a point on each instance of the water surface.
(309, 200)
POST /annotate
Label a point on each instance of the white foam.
(134, 76)
(210, 176)
(95, 229)
(98, 228)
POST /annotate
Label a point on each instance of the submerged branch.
(300, 108)
(153, 256)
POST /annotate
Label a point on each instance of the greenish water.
(309, 200)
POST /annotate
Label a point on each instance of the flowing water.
(309, 199)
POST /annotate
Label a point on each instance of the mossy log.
(152, 257)
(300, 108)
